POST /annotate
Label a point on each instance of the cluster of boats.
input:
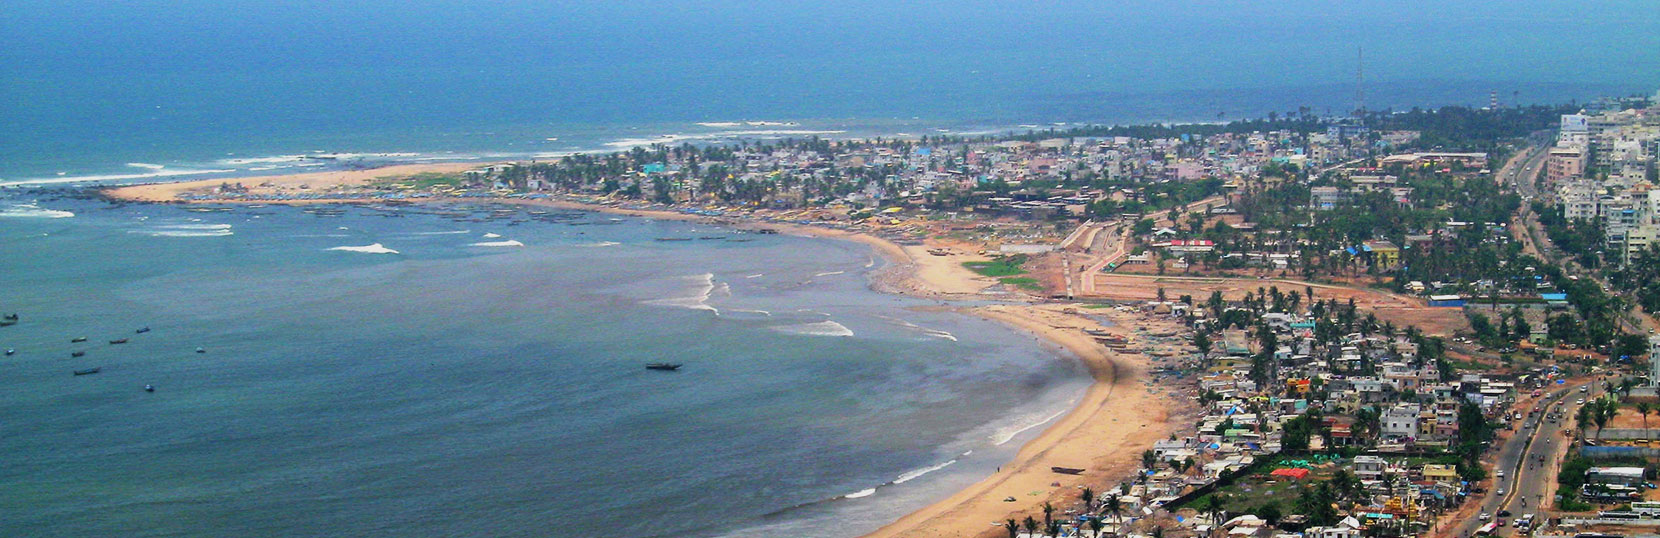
(12, 319)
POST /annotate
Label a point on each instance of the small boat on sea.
(674, 239)
(8, 320)
(201, 350)
(88, 371)
(1067, 470)
(10, 352)
(143, 330)
(118, 341)
(77, 354)
(149, 388)
(664, 366)
(77, 340)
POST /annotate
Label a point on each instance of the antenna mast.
(1360, 82)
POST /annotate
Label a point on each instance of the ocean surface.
(122, 91)
(479, 371)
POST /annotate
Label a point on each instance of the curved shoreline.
(1104, 432)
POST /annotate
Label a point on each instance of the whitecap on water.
(376, 248)
(507, 243)
(822, 328)
(34, 211)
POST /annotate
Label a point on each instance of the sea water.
(452, 371)
(196, 88)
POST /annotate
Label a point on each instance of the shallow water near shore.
(463, 371)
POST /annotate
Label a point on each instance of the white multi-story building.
(1654, 360)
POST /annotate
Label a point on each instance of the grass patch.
(1023, 282)
(1002, 266)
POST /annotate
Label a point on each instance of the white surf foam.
(924, 330)
(196, 226)
(914, 474)
(34, 211)
(186, 233)
(98, 178)
(376, 248)
(1004, 435)
(822, 328)
(816, 275)
(507, 243)
(491, 235)
(146, 166)
(453, 232)
(757, 123)
(860, 493)
(698, 299)
(627, 143)
(600, 244)
(187, 230)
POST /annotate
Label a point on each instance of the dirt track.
(1399, 309)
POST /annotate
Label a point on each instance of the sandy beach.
(283, 184)
(1118, 417)
(1115, 420)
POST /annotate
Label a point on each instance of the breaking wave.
(376, 248)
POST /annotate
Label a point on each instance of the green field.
(1000, 267)
(1022, 282)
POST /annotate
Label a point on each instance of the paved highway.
(1526, 481)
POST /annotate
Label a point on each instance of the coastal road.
(1521, 173)
(1526, 482)
(1109, 242)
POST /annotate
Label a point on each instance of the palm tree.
(1048, 513)
(1088, 495)
(1012, 527)
(1095, 526)
(1644, 408)
(1113, 505)
(1213, 510)
(1031, 526)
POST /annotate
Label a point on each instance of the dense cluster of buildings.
(1603, 170)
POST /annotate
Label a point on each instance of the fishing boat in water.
(88, 371)
(664, 366)
(8, 320)
(143, 330)
(77, 340)
(118, 341)
(77, 354)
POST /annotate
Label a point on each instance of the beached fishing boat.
(88, 371)
(1067, 470)
(665, 366)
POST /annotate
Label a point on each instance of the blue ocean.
(195, 88)
(479, 370)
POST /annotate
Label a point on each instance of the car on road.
(1580, 401)
(1486, 516)
(1504, 513)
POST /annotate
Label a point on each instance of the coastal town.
(1400, 323)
